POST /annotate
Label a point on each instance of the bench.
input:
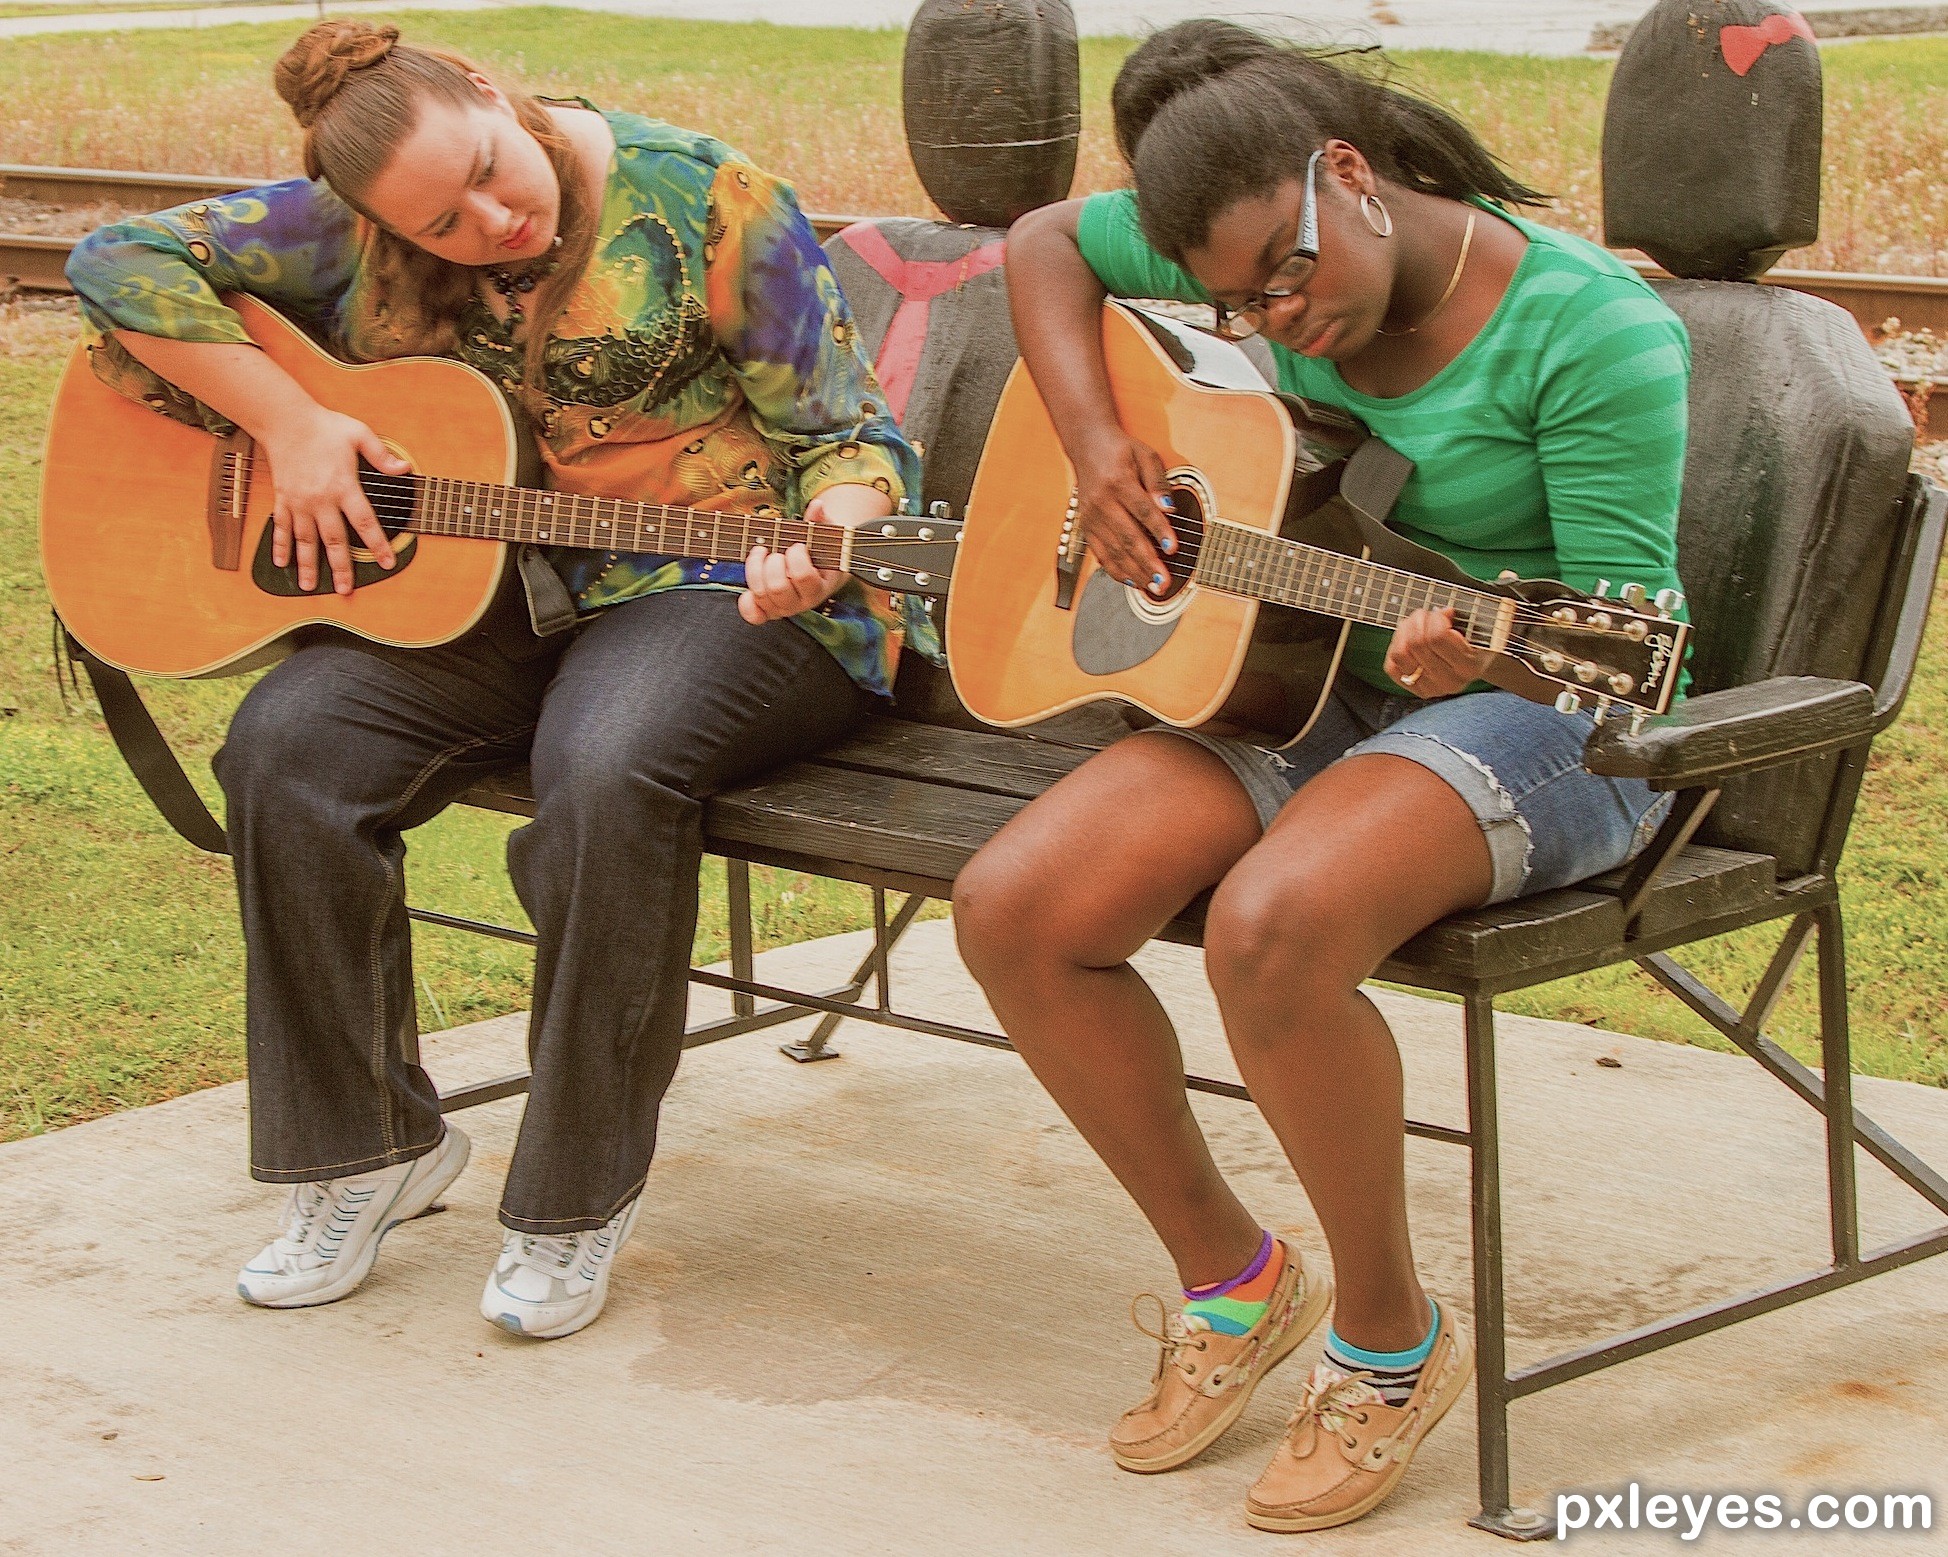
(902, 805)
(1765, 760)
(1810, 553)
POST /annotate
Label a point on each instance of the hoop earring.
(1368, 205)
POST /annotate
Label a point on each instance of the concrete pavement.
(878, 1305)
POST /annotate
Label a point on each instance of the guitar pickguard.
(1111, 633)
(273, 580)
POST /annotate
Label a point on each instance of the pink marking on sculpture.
(1742, 46)
(917, 282)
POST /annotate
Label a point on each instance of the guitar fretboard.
(526, 515)
(1243, 561)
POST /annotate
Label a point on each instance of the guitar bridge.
(1068, 556)
(229, 498)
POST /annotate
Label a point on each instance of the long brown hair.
(357, 92)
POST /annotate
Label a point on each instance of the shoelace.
(1173, 1332)
(552, 1254)
(308, 1203)
(1331, 1399)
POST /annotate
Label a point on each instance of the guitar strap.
(147, 753)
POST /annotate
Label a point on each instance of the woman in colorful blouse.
(1539, 386)
(663, 310)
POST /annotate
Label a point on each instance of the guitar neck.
(438, 505)
(1243, 561)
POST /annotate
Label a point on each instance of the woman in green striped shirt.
(1539, 387)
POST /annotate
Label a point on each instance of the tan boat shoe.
(1346, 1448)
(1204, 1379)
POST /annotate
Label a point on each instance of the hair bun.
(1174, 61)
(310, 72)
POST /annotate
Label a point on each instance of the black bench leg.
(1491, 1353)
(737, 901)
(875, 964)
(1836, 1056)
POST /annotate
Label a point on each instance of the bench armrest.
(1739, 730)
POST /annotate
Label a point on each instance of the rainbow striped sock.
(1236, 1306)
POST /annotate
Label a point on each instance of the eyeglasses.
(1290, 274)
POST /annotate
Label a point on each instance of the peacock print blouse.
(707, 358)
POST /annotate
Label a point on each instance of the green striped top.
(1552, 445)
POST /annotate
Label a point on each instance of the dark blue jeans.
(630, 723)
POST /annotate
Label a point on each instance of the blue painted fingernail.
(1169, 544)
(1157, 581)
(1130, 583)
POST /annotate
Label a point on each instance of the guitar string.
(406, 490)
(1190, 553)
(1524, 613)
(402, 509)
(403, 517)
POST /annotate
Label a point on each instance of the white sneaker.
(332, 1229)
(547, 1286)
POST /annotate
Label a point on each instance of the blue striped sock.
(1393, 1374)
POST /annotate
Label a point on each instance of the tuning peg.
(1552, 661)
(938, 510)
(1669, 600)
(1621, 684)
(1602, 621)
(1586, 671)
(922, 579)
(1633, 595)
(1508, 576)
(906, 506)
(1601, 711)
(1637, 722)
(1568, 703)
(1602, 590)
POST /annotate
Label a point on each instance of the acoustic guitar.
(1278, 508)
(156, 537)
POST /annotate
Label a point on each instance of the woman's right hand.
(1119, 483)
(314, 463)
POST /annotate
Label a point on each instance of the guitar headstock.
(911, 553)
(1622, 653)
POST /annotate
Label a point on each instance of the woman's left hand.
(783, 583)
(1430, 659)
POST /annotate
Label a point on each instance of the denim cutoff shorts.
(1547, 819)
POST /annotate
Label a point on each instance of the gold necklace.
(1453, 281)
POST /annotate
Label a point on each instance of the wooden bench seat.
(905, 805)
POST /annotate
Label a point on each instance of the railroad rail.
(34, 261)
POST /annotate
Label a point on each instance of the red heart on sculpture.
(1742, 46)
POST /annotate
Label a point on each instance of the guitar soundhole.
(1187, 516)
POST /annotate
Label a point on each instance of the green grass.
(821, 105)
(120, 963)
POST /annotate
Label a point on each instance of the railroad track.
(34, 261)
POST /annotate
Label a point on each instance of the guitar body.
(1019, 652)
(133, 525)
